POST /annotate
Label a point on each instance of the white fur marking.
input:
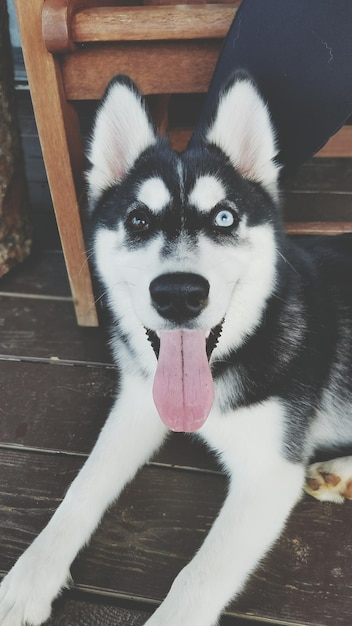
(154, 194)
(207, 193)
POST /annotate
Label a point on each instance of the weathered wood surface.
(87, 72)
(162, 518)
(81, 612)
(154, 507)
(66, 23)
(143, 23)
(318, 199)
(23, 333)
(302, 205)
(41, 275)
(318, 228)
(325, 176)
(55, 407)
(39, 293)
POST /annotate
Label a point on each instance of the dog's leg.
(263, 490)
(131, 434)
(330, 481)
(246, 528)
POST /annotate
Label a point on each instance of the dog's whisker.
(88, 254)
(100, 297)
(123, 282)
(287, 262)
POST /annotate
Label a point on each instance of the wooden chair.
(72, 48)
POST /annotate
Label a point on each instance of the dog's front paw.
(27, 592)
(330, 481)
(19, 606)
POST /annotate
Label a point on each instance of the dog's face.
(185, 242)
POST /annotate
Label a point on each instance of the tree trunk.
(15, 230)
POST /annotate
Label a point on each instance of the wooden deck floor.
(56, 387)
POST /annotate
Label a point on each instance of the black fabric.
(300, 54)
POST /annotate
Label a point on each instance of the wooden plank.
(318, 228)
(67, 612)
(179, 138)
(340, 144)
(233, 3)
(42, 274)
(152, 23)
(184, 67)
(31, 486)
(322, 176)
(318, 200)
(46, 328)
(84, 609)
(313, 206)
(162, 518)
(56, 23)
(58, 408)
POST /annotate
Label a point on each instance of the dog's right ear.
(243, 130)
(122, 131)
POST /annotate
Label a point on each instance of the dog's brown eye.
(138, 221)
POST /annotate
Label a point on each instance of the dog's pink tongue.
(183, 388)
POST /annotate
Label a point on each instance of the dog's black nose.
(179, 296)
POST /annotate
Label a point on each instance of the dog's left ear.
(242, 129)
(122, 131)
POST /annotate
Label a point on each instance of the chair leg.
(61, 144)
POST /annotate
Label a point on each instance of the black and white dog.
(222, 326)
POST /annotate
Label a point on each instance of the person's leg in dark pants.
(300, 54)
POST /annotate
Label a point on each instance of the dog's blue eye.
(224, 218)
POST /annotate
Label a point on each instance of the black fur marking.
(154, 341)
(251, 201)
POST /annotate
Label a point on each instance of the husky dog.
(222, 327)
